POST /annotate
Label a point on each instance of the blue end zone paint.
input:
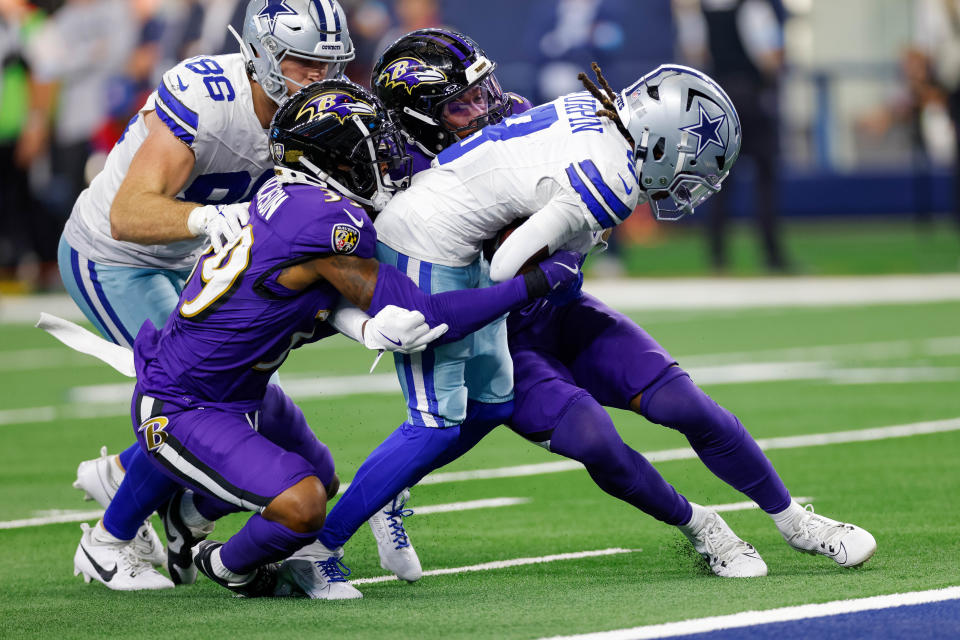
(913, 622)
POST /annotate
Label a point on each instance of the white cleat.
(99, 478)
(727, 555)
(115, 565)
(845, 544)
(318, 572)
(147, 545)
(397, 554)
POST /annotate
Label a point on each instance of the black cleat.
(181, 538)
(262, 584)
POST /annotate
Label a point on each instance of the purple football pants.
(570, 361)
(236, 461)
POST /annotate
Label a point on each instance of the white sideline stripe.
(57, 516)
(664, 293)
(749, 504)
(60, 516)
(488, 503)
(783, 614)
(504, 564)
(788, 442)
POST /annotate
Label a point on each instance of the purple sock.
(724, 446)
(586, 433)
(259, 542)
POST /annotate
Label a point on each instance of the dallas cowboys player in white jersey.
(197, 146)
(569, 170)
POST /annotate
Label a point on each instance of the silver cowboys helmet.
(687, 136)
(312, 30)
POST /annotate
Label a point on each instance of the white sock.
(101, 535)
(698, 517)
(222, 572)
(188, 511)
(786, 518)
(316, 550)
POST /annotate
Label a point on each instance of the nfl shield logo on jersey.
(344, 238)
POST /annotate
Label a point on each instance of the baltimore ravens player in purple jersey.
(203, 410)
(196, 148)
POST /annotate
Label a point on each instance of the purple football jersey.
(235, 324)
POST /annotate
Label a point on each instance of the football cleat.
(319, 573)
(397, 554)
(181, 538)
(727, 555)
(261, 584)
(845, 544)
(99, 478)
(115, 565)
(148, 547)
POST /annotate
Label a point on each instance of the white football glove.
(400, 330)
(220, 222)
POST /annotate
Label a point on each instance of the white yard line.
(58, 516)
(505, 564)
(783, 614)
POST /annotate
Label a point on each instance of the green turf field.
(889, 365)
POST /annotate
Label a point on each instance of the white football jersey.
(559, 157)
(208, 104)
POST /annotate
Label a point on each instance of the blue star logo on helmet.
(706, 130)
(274, 8)
(334, 103)
(409, 73)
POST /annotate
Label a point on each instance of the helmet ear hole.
(654, 92)
(658, 149)
(721, 160)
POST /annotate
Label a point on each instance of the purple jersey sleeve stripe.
(616, 205)
(174, 126)
(173, 104)
(603, 218)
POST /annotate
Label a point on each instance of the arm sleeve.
(348, 320)
(551, 227)
(464, 311)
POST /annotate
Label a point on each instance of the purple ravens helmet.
(687, 136)
(314, 30)
(337, 133)
(430, 69)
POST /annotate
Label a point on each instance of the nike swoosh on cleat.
(359, 223)
(392, 341)
(106, 575)
(629, 190)
(183, 87)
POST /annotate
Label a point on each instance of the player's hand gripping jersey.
(226, 357)
(206, 103)
(559, 162)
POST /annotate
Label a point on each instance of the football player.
(570, 171)
(197, 146)
(589, 355)
(204, 412)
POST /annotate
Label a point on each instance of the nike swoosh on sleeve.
(359, 223)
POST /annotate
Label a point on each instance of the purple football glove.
(554, 275)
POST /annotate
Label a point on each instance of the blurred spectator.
(18, 222)
(368, 21)
(741, 44)
(937, 39)
(72, 58)
(410, 15)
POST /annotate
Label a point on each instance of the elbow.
(116, 229)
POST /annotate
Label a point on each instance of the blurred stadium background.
(847, 106)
